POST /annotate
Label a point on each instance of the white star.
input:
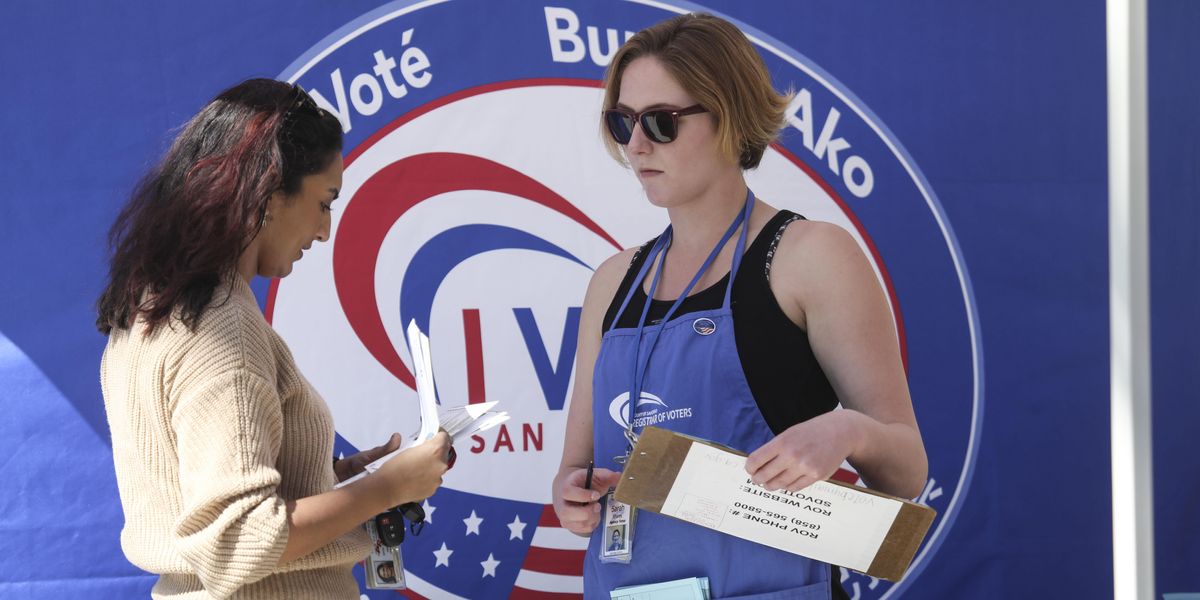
(429, 508)
(473, 522)
(489, 566)
(443, 556)
(516, 529)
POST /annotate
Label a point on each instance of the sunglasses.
(661, 125)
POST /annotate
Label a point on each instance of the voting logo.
(704, 326)
(650, 410)
(478, 201)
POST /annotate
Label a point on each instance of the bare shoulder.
(608, 276)
(810, 249)
(600, 292)
(815, 264)
(817, 237)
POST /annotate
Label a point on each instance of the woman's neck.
(698, 225)
(247, 264)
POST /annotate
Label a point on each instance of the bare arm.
(576, 507)
(826, 285)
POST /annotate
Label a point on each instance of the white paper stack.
(459, 422)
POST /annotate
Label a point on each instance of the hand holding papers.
(460, 422)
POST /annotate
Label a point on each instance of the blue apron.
(688, 378)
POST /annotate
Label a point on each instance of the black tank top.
(788, 384)
(784, 376)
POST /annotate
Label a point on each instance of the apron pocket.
(813, 591)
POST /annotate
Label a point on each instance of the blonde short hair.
(714, 62)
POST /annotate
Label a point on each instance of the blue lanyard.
(659, 251)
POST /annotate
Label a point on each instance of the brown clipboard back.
(655, 462)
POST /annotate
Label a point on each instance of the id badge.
(384, 566)
(619, 519)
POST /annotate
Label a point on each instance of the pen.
(588, 482)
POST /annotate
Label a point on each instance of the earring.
(266, 216)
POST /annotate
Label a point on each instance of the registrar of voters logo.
(650, 410)
(478, 200)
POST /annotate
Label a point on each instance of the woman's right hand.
(577, 507)
(416, 473)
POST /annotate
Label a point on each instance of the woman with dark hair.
(750, 323)
(222, 449)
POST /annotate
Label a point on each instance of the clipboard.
(694, 480)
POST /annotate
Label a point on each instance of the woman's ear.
(276, 202)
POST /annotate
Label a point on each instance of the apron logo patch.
(704, 326)
(649, 410)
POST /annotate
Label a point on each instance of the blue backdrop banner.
(961, 144)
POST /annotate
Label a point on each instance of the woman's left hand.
(354, 464)
(805, 453)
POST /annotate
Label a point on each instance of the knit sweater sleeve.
(233, 525)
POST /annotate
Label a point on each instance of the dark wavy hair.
(189, 219)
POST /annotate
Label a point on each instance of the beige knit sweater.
(212, 431)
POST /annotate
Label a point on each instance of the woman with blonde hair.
(750, 324)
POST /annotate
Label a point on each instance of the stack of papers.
(692, 588)
(461, 422)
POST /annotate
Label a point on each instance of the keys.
(390, 527)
